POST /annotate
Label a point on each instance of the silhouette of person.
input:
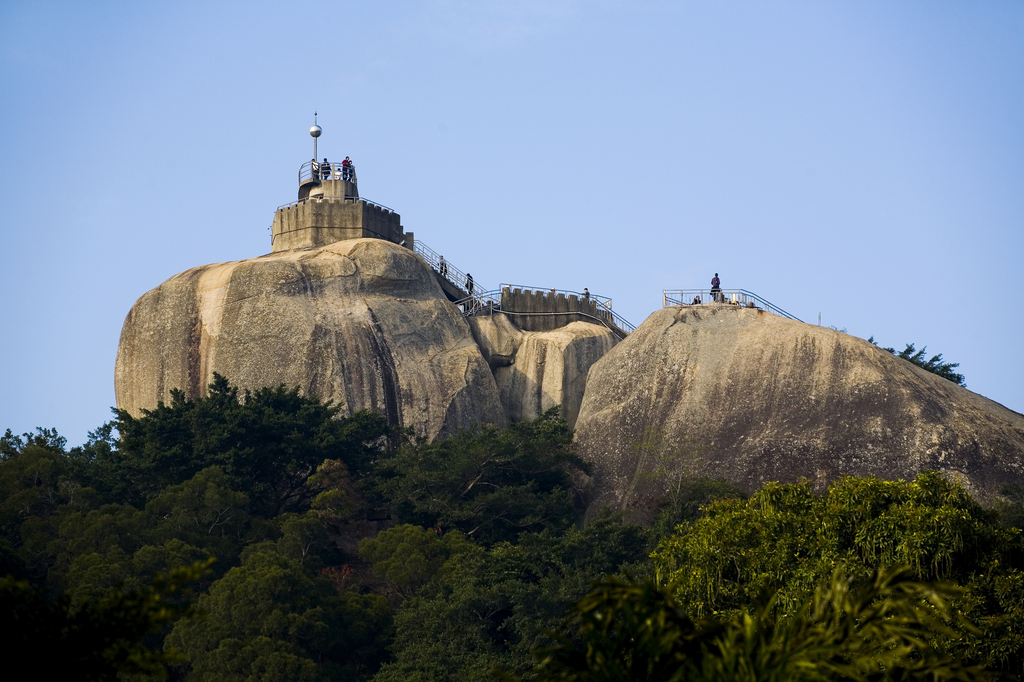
(443, 268)
(469, 283)
(325, 170)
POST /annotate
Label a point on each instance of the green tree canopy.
(267, 442)
(935, 364)
(876, 631)
(407, 557)
(489, 608)
(489, 483)
(270, 619)
(101, 639)
(785, 540)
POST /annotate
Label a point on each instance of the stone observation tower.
(329, 209)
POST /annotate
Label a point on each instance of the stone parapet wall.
(319, 222)
(539, 311)
(381, 223)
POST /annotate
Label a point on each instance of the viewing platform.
(537, 309)
(329, 209)
(328, 179)
(721, 297)
(532, 308)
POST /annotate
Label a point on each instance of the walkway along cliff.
(350, 307)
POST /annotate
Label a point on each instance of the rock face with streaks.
(538, 370)
(361, 322)
(750, 397)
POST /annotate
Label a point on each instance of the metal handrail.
(313, 170)
(604, 301)
(685, 297)
(478, 301)
(449, 271)
(490, 301)
(321, 197)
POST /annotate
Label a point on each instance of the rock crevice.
(538, 370)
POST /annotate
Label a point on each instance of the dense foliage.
(267, 443)
(266, 486)
(490, 607)
(492, 484)
(340, 549)
(785, 540)
(875, 631)
(100, 639)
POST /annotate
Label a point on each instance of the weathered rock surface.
(538, 370)
(751, 397)
(360, 322)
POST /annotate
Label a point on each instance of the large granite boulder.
(361, 322)
(747, 396)
(538, 370)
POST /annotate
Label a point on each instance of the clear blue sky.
(861, 160)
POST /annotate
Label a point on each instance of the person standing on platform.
(716, 288)
(469, 283)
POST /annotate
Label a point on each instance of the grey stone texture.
(750, 397)
(361, 322)
(537, 310)
(538, 370)
(322, 220)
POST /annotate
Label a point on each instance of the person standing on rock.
(716, 288)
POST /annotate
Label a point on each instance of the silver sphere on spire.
(315, 131)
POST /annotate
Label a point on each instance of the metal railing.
(604, 304)
(487, 302)
(479, 302)
(602, 301)
(739, 297)
(482, 300)
(317, 170)
(321, 197)
(445, 269)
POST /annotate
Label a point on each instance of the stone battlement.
(322, 220)
(537, 310)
